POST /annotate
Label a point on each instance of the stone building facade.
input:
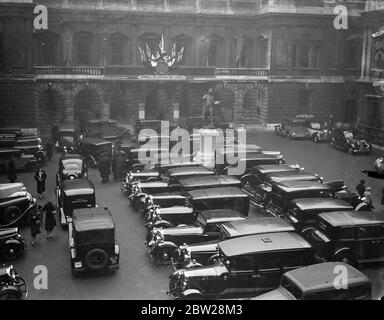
(266, 60)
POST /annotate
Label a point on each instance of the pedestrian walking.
(40, 177)
(118, 164)
(11, 171)
(360, 188)
(34, 222)
(105, 167)
(50, 220)
(49, 147)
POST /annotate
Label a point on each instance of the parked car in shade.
(92, 149)
(294, 128)
(162, 244)
(283, 193)
(68, 137)
(302, 284)
(22, 160)
(12, 285)
(304, 212)
(92, 241)
(246, 266)
(12, 244)
(260, 195)
(199, 200)
(33, 146)
(349, 142)
(317, 131)
(71, 166)
(136, 153)
(15, 204)
(206, 253)
(74, 194)
(348, 236)
(102, 129)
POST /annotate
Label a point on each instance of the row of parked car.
(342, 136)
(197, 220)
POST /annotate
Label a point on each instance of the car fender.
(93, 159)
(245, 176)
(164, 222)
(7, 289)
(22, 216)
(165, 244)
(13, 241)
(189, 292)
(344, 249)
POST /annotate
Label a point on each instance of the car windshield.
(95, 236)
(288, 285)
(348, 135)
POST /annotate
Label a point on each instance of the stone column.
(135, 44)
(228, 47)
(369, 53)
(364, 54)
(67, 38)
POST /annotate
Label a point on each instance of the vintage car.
(169, 182)
(318, 131)
(246, 266)
(67, 138)
(294, 128)
(71, 166)
(260, 194)
(15, 204)
(140, 156)
(102, 129)
(74, 194)
(7, 141)
(162, 244)
(22, 160)
(206, 253)
(249, 161)
(304, 212)
(281, 195)
(92, 149)
(32, 146)
(12, 285)
(346, 141)
(258, 174)
(230, 198)
(300, 284)
(348, 236)
(17, 132)
(12, 244)
(92, 241)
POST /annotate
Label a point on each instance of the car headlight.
(117, 249)
(293, 133)
(78, 264)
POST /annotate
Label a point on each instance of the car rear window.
(72, 166)
(95, 236)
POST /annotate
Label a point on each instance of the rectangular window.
(212, 55)
(1, 50)
(304, 102)
(48, 52)
(117, 53)
(83, 51)
(305, 56)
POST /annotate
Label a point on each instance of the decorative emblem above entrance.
(161, 62)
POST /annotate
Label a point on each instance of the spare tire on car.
(96, 259)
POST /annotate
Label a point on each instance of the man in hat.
(360, 188)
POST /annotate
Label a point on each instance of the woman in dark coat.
(11, 172)
(40, 177)
(34, 222)
(50, 220)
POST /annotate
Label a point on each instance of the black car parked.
(92, 149)
(199, 200)
(348, 236)
(206, 253)
(347, 141)
(92, 241)
(12, 244)
(15, 204)
(23, 161)
(12, 285)
(33, 146)
(161, 244)
(74, 194)
(71, 166)
(246, 266)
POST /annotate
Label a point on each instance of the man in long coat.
(105, 167)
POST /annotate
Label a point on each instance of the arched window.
(152, 39)
(213, 53)
(262, 51)
(46, 48)
(117, 49)
(183, 41)
(352, 52)
(83, 42)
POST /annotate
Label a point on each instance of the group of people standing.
(116, 163)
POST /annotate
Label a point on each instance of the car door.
(269, 271)
(367, 244)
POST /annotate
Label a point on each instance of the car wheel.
(346, 257)
(164, 255)
(212, 260)
(9, 295)
(96, 259)
(11, 214)
(11, 252)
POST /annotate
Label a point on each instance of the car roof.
(7, 189)
(208, 180)
(257, 226)
(319, 277)
(292, 175)
(263, 243)
(212, 216)
(261, 156)
(352, 218)
(10, 150)
(305, 204)
(95, 141)
(92, 219)
(71, 158)
(75, 186)
(67, 129)
(218, 192)
(264, 169)
(189, 170)
(289, 186)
